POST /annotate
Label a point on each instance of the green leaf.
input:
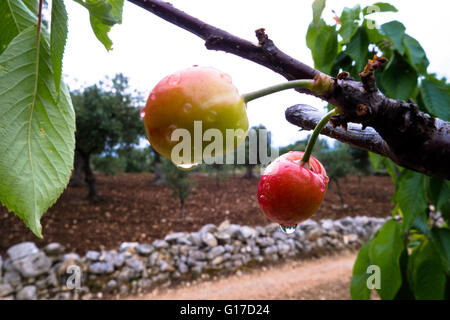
(436, 97)
(358, 285)
(399, 79)
(16, 17)
(411, 196)
(349, 22)
(58, 38)
(425, 273)
(441, 241)
(439, 192)
(322, 40)
(379, 7)
(385, 251)
(318, 6)
(391, 168)
(421, 224)
(36, 129)
(103, 15)
(375, 160)
(416, 54)
(396, 32)
(358, 48)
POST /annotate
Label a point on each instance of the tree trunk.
(89, 178)
(338, 187)
(76, 180)
(159, 179)
(249, 172)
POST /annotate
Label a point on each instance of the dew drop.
(212, 115)
(186, 166)
(288, 229)
(152, 96)
(142, 113)
(225, 77)
(187, 107)
(174, 79)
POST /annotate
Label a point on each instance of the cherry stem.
(312, 141)
(293, 84)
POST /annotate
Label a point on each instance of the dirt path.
(324, 278)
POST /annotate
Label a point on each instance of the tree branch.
(404, 134)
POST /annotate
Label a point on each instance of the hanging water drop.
(186, 166)
(288, 229)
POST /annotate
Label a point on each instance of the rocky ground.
(135, 210)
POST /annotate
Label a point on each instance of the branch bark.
(401, 132)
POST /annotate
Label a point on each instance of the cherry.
(289, 192)
(195, 94)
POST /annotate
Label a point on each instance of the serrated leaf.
(441, 241)
(103, 14)
(379, 7)
(396, 32)
(58, 38)
(385, 251)
(358, 285)
(436, 97)
(101, 9)
(411, 196)
(399, 79)
(322, 40)
(416, 54)
(439, 192)
(16, 17)
(36, 130)
(425, 273)
(358, 48)
(349, 18)
(318, 6)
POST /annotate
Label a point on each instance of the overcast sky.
(147, 48)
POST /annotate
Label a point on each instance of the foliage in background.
(412, 252)
(108, 121)
(178, 181)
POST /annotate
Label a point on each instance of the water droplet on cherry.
(288, 229)
(152, 96)
(186, 166)
(187, 107)
(142, 114)
(174, 79)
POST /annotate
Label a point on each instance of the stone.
(217, 260)
(114, 258)
(27, 293)
(247, 232)
(144, 249)
(54, 249)
(223, 226)
(182, 268)
(283, 248)
(101, 268)
(255, 251)
(208, 228)
(164, 266)
(111, 285)
(195, 239)
(135, 264)
(160, 244)
(22, 250)
(265, 241)
(197, 255)
(272, 227)
(144, 284)
(209, 239)
(13, 278)
(315, 234)
(32, 265)
(214, 252)
(270, 250)
(232, 230)
(128, 274)
(5, 289)
(92, 255)
(184, 241)
(173, 237)
(327, 224)
(223, 237)
(125, 246)
(348, 238)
